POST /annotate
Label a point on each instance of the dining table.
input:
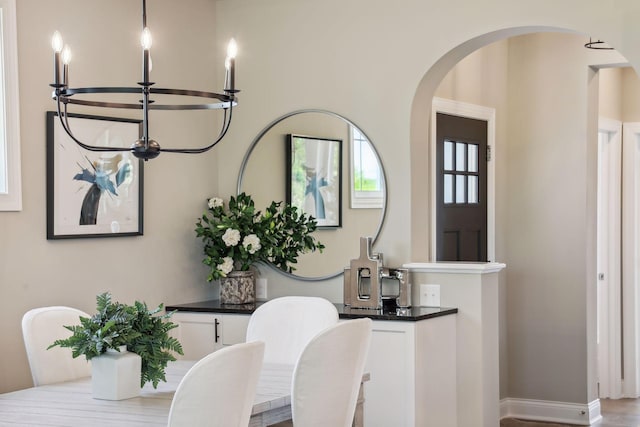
(71, 403)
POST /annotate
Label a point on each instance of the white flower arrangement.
(238, 236)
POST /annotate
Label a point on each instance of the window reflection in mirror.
(366, 173)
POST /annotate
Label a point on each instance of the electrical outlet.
(430, 295)
(261, 288)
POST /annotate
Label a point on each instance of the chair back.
(40, 328)
(287, 324)
(219, 390)
(327, 377)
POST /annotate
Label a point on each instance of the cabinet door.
(389, 395)
(199, 333)
(235, 328)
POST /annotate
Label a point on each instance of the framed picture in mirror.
(314, 177)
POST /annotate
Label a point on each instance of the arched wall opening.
(420, 128)
(550, 281)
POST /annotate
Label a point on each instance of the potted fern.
(125, 338)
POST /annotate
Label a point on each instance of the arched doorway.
(545, 213)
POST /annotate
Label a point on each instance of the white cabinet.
(199, 333)
(413, 374)
(412, 364)
(234, 329)
(204, 333)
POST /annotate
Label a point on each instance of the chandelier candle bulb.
(66, 59)
(226, 74)
(56, 44)
(145, 66)
(230, 65)
(146, 42)
(232, 77)
(146, 39)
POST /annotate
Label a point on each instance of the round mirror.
(325, 165)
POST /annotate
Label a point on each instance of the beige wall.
(610, 92)
(164, 265)
(371, 61)
(630, 95)
(548, 216)
(618, 93)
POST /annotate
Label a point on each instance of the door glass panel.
(472, 189)
(472, 158)
(460, 189)
(448, 155)
(460, 155)
(448, 188)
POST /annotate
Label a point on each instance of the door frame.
(608, 260)
(631, 254)
(619, 297)
(472, 111)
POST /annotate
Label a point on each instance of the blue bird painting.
(105, 175)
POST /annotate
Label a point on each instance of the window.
(367, 182)
(461, 178)
(10, 186)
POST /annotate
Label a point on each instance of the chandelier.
(145, 147)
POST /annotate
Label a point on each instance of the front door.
(461, 196)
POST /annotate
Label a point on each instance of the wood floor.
(615, 413)
(619, 413)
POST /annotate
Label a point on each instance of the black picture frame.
(314, 178)
(89, 193)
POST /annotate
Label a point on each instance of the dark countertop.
(412, 314)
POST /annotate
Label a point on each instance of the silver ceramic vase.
(238, 288)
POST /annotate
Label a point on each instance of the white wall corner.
(548, 411)
(594, 411)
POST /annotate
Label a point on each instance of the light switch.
(430, 295)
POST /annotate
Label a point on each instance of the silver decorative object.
(363, 281)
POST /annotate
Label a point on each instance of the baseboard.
(558, 412)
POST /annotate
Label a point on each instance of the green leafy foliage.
(144, 332)
(278, 236)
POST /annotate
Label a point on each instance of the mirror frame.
(255, 142)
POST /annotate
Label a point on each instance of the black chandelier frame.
(144, 148)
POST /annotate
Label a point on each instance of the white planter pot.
(116, 376)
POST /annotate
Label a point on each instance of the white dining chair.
(327, 376)
(40, 328)
(219, 390)
(287, 324)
